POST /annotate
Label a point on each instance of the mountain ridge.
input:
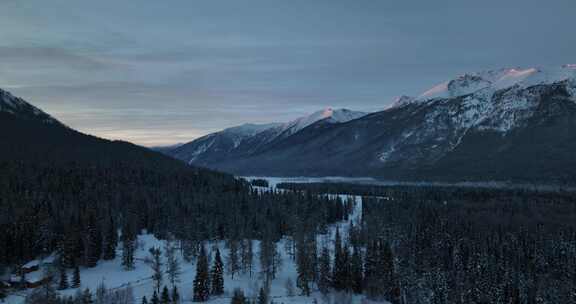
(473, 133)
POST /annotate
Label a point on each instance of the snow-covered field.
(113, 276)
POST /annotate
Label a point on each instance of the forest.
(411, 244)
(466, 245)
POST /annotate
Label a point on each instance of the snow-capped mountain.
(494, 125)
(20, 108)
(494, 80)
(247, 139)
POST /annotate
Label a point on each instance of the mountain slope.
(250, 139)
(29, 134)
(508, 124)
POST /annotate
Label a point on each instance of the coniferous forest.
(412, 244)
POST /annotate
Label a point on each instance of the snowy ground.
(113, 276)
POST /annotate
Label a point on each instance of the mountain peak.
(330, 114)
(18, 107)
(499, 79)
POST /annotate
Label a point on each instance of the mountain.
(9, 104)
(250, 139)
(30, 135)
(507, 124)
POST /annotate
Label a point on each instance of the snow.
(250, 129)
(440, 90)
(274, 130)
(401, 101)
(113, 276)
(332, 115)
(499, 79)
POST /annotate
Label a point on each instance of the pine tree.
(347, 273)
(325, 271)
(247, 256)
(154, 299)
(217, 276)
(233, 259)
(165, 297)
(111, 241)
(339, 276)
(128, 247)
(305, 263)
(76, 277)
(175, 295)
(93, 242)
(63, 283)
(202, 279)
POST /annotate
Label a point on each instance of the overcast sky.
(159, 72)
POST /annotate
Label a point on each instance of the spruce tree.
(247, 256)
(325, 272)
(356, 274)
(305, 265)
(63, 283)
(110, 241)
(339, 276)
(202, 279)
(233, 258)
(347, 273)
(128, 247)
(217, 275)
(165, 297)
(93, 242)
(76, 277)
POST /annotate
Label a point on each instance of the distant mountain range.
(506, 124)
(251, 139)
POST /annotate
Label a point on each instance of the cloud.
(161, 72)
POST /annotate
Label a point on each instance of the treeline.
(77, 210)
(424, 191)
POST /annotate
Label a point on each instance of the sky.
(162, 72)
